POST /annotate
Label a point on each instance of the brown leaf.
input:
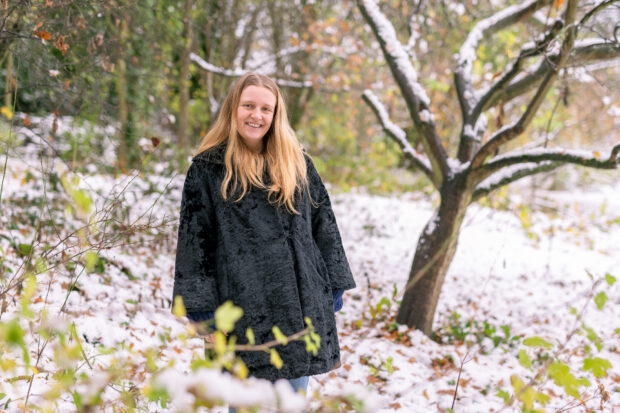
(26, 121)
(61, 44)
(557, 3)
(155, 141)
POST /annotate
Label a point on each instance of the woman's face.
(254, 115)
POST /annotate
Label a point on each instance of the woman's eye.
(267, 110)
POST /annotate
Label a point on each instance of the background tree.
(487, 157)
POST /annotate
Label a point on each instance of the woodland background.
(103, 105)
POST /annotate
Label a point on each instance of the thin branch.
(583, 158)
(515, 174)
(265, 346)
(528, 50)
(508, 133)
(397, 134)
(240, 72)
(467, 54)
(406, 77)
(584, 51)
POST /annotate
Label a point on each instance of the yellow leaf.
(249, 333)
(557, 3)
(220, 343)
(279, 335)
(6, 112)
(227, 315)
(178, 309)
(596, 154)
(275, 359)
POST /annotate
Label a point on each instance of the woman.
(257, 228)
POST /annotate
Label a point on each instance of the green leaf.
(593, 337)
(600, 300)
(526, 396)
(274, 358)
(23, 250)
(504, 395)
(537, 342)
(541, 398)
(77, 400)
(249, 334)
(524, 359)
(91, 259)
(561, 375)
(40, 265)
(610, 279)
(597, 366)
(279, 335)
(227, 315)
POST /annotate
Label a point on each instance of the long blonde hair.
(282, 155)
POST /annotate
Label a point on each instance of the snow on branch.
(240, 72)
(512, 131)
(467, 54)
(591, 159)
(585, 51)
(529, 50)
(509, 175)
(397, 134)
(406, 77)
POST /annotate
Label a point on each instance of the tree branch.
(528, 50)
(240, 72)
(537, 156)
(467, 53)
(406, 77)
(398, 135)
(512, 131)
(584, 51)
(511, 175)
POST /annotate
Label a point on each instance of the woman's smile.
(254, 115)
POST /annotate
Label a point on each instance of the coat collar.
(214, 155)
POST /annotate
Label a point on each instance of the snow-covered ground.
(519, 270)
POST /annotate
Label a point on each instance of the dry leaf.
(43, 35)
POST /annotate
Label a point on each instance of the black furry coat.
(277, 266)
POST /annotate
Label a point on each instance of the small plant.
(556, 363)
(456, 331)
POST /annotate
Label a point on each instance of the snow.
(516, 267)
(395, 49)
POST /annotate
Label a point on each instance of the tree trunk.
(8, 87)
(435, 250)
(122, 158)
(184, 80)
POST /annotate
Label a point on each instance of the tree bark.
(435, 250)
(184, 84)
(123, 107)
(8, 87)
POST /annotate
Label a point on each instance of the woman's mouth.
(254, 125)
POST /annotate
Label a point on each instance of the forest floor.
(520, 271)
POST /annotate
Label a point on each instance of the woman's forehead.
(259, 94)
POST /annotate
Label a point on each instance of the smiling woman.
(254, 115)
(257, 228)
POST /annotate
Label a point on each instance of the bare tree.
(479, 166)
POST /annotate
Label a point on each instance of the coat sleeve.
(326, 234)
(195, 267)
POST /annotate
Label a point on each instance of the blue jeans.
(300, 383)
